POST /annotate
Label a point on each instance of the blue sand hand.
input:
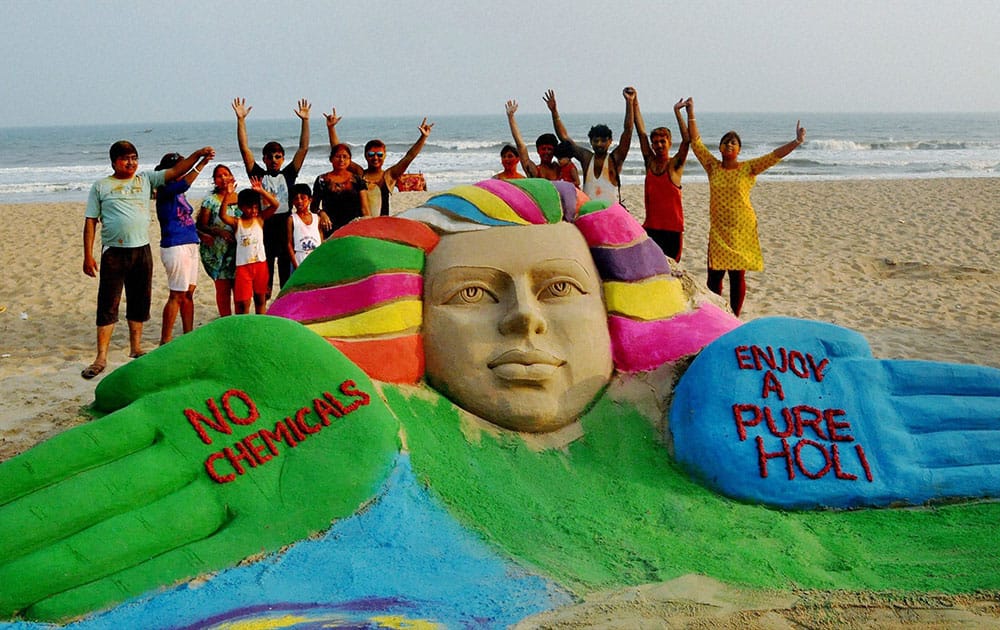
(799, 414)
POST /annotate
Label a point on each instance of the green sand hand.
(246, 435)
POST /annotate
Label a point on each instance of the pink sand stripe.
(520, 201)
(329, 302)
(613, 226)
(640, 346)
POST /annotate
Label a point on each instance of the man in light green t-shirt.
(120, 202)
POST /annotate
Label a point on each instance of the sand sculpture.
(495, 365)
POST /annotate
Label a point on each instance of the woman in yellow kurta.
(733, 244)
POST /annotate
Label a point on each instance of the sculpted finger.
(125, 541)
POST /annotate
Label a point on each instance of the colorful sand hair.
(362, 289)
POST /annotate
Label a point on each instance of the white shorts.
(181, 263)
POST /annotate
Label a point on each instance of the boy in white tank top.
(252, 278)
(601, 167)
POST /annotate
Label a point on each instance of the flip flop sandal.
(92, 370)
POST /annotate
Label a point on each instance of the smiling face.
(125, 166)
(375, 157)
(515, 327)
(659, 142)
(223, 179)
(340, 160)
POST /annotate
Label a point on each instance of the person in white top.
(601, 167)
(252, 278)
(304, 234)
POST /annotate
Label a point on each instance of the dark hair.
(661, 131)
(338, 147)
(731, 134)
(121, 149)
(599, 131)
(215, 171)
(564, 149)
(371, 144)
(169, 160)
(248, 197)
(549, 139)
(509, 148)
(273, 147)
(301, 189)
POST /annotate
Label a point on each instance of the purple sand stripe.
(567, 196)
(614, 226)
(519, 201)
(328, 302)
(640, 346)
(638, 262)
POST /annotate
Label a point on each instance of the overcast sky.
(71, 62)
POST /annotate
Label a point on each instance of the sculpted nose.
(524, 317)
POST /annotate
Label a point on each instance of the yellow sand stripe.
(653, 299)
(488, 203)
(389, 318)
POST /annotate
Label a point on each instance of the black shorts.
(668, 241)
(130, 268)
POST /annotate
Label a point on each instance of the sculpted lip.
(525, 365)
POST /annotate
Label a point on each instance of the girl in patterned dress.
(733, 244)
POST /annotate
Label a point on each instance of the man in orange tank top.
(664, 210)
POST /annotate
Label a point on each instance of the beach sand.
(911, 264)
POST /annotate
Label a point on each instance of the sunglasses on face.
(375, 153)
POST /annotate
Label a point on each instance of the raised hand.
(511, 107)
(246, 435)
(550, 100)
(332, 119)
(629, 94)
(425, 129)
(800, 132)
(798, 414)
(241, 108)
(256, 184)
(303, 109)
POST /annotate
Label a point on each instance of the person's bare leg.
(170, 310)
(224, 297)
(187, 310)
(101, 361)
(135, 339)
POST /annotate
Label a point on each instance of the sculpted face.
(515, 326)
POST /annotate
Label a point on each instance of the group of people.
(242, 238)
(733, 244)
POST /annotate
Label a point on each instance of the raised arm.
(682, 151)
(800, 137)
(640, 130)
(400, 167)
(331, 133)
(242, 111)
(560, 128)
(272, 203)
(581, 154)
(625, 142)
(693, 133)
(529, 167)
(182, 168)
(331, 127)
(196, 171)
(300, 154)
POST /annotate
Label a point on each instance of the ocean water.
(60, 163)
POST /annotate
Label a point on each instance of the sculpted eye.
(472, 294)
(561, 289)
